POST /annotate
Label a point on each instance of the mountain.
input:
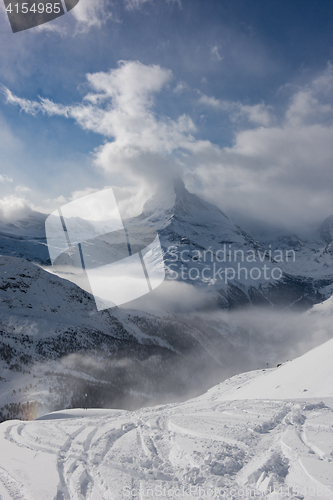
(312, 245)
(55, 347)
(57, 351)
(204, 247)
(25, 238)
(262, 434)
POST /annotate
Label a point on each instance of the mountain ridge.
(190, 227)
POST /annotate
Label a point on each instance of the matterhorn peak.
(173, 199)
(162, 202)
(179, 185)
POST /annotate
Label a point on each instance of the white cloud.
(26, 105)
(282, 172)
(120, 107)
(48, 205)
(20, 189)
(281, 169)
(324, 82)
(90, 14)
(5, 178)
(180, 87)
(130, 199)
(84, 16)
(216, 53)
(137, 4)
(259, 114)
(21, 200)
(213, 102)
(13, 207)
(306, 107)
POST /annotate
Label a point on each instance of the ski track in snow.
(203, 443)
(238, 440)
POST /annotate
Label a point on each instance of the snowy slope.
(310, 375)
(32, 225)
(208, 447)
(324, 309)
(25, 238)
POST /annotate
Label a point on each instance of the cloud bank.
(278, 166)
(88, 14)
(13, 207)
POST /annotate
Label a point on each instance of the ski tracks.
(88, 453)
(11, 488)
(260, 444)
(309, 445)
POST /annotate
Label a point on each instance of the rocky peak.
(326, 229)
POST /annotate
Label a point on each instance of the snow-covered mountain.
(312, 245)
(266, 431)
(25, 238)
(57, 351)
(55, 348)
(209, 251)
(262, 434)
(204, 248)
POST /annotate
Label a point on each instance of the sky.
(235, 96)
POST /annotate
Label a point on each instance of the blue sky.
(234, 95)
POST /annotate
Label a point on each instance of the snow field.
(275, 449)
